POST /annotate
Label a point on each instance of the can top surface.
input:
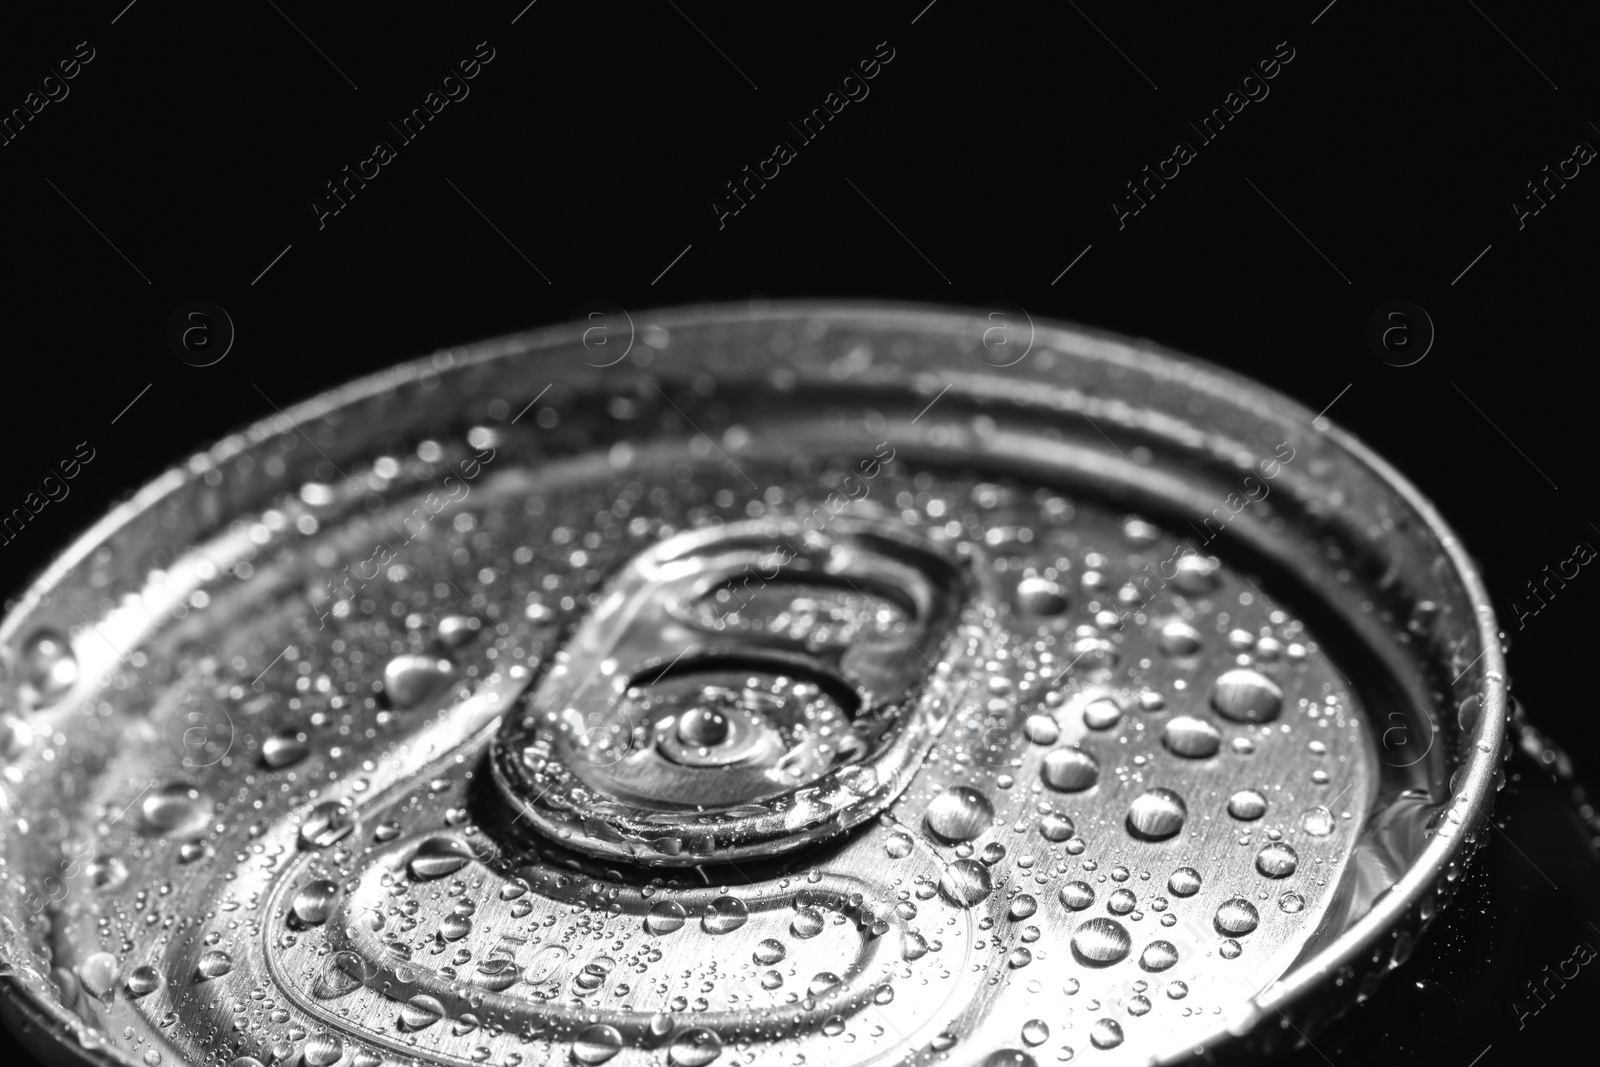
(836, 681)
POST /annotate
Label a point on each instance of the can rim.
(1487, 733)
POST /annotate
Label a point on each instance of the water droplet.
(1054, 826)
(703, 728)
(1245, 695)
(214, 963)
(47, 667)
(108, 873)
(1106, 1033)
(177, 810)
(409, 680)
(596, 1044)
(314, 903)
(1070, 770)
(694, 1047)
(1138, 1005)
(143, 980)
(455, 927)
(1236, 916)
(884, 994)
(1156, 814)
(665, 917)
(1102, 714)
(771, 980)
(1040, 596)
(822, 983)
(899, 844)
(420, 1012)
(1077, 895)
(1185, 882)
(1177, 990)
(1192, 738)
(1158, 956)
(1101, 941)
(769, 951)
(1196, 574)
(1178, 638)
(1247, 804)
(98, 973)
(1121, 902)
(724, 915)
(437, 857)
(457, 630)
(1041, 729)
(959, 814)
(1035, 1032)
(285, 749)
(1277, 860)
(1023, 906)
(808, 922)
(322, 1049)
(1229, 949)
(326, 824)
(915, 946)
(1291, 902)
(1018, 958)
(965, 883)
(1317, 821)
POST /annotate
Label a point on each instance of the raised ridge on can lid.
(808, 682)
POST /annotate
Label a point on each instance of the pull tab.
(740, 691)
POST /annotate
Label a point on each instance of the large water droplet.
(1192, 738)
(409, 680)
(1041, 729)
(965, 883)
(437, 857)
(1102, 714)
(807, 922)
(915, 946)
(98, 973)
(665, 917)
(1070, 770)
(322, 1049)
(143, 980)
(1291, 902)
(899, 844)
(1101, 941)
(1023, 906)
(1158, 956)
(1244, 695)
(177, 810)
(1317, 821)
(959, 814)
(1277, 860)
(1196, 574)
(1121, 902)
(1247, 804)
(1156, 814)
(1077, 895)
(326, 824)
(420, 1012)
(1054, 826)
(694, 1047)
(214, 963)
(314, 903)
(596, 1044)
(1040, 596)
(769, 951)
(1106, 1033)
(285, 749)
(47, 668)
(724, 915)
(1236, 916)
(1178, 638)
(1185, 882)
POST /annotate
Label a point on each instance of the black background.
(980, 165)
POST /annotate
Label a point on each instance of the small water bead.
(771, 980)
(1018, 958)
(455, 927)
(1156, 814)
(108, 873)
(1138, 1005)
(1177, 990)
(992, 853)
(285, 749)
(1023, 906)
(1192, 738)
(1035, 1032)
(1070, 770)
(1121, 901)
(1196, 573)
(1120, 873)
(1178, 638)
(1244, 695)
(314, 902)
(1318, 748)
(143, 980)
(1247, 805)
(899, 845)
(1229, 949)
(1236, 916)
(1106, 1033)
(409, 680)
(98, 973)
(1320, 776)
(437, 857)
(1139, 531)
(1041, 729)
(959, 814)
(177, 810)
(322, 1049)
(48, 668)
(327, 824)
(914, 947)
(1243, 746)
(1077, 895)
(1317, 821)
(1185, 882)
(807, 922)
(1102, 714)
(596, 1044)
(1054, 826)
(420, 1012)
(822, 983)
(1041, 597)
(1277, 860)
(1158, 956)
(1099, 942)
(965, 883)
(1291, 902)
(724, 915)
(769, 951)
(456, 630)
(1150, 700)
(214, 963)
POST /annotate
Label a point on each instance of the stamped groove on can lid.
(799, 685)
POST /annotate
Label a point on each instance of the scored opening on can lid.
(811, 680)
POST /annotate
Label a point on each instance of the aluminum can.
(843, 684)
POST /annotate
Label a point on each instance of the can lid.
(811, 680)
